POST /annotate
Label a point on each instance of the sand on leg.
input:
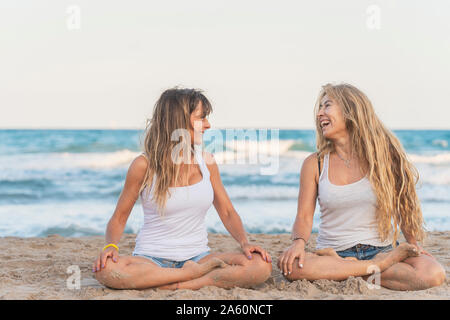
(239, 272)
(413, 273)
(336, 268)
(131, 272)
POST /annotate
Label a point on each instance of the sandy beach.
(37, 268)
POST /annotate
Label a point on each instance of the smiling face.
(331, 118)
(199, 124)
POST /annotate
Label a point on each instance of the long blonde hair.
(171, 113)
(392, 176)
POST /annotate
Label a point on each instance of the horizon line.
(216, 128)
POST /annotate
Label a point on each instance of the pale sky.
(261, 63)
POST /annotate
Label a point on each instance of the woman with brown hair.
(365, 186)
(177, 184)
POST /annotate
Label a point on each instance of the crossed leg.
(413, 273)
(238, 272)
(331, 266)
(132, 272)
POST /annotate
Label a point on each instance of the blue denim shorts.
(166, 263)
(363, 251)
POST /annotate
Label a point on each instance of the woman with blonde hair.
(365, 186)
(177, 184)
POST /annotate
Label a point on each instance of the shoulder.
(311, 160)
(310, 166)
(138, 166)
(141, 161)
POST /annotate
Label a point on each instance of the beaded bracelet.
(298, 239)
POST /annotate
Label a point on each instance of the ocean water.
(67, 182)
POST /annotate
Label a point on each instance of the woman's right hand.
(109, 252)
(295, 250)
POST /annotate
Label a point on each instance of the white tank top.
(180, 233)
(347, 213)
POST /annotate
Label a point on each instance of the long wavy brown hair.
(393, 177)
(171, 113)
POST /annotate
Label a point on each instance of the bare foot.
(327, 252)
(405, 250)
(330, 252)
(199, 269)
(400, 253)
(196, 270)
(351, 258)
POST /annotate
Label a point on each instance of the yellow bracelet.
(111, 245)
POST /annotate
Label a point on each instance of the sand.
(37, 268)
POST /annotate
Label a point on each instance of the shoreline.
(38, 268)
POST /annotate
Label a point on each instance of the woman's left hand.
(249, 248)
(422, 250)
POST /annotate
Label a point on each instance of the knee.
(259, 268)
(435, 276)
(103, 274)
(297, 275)
(291, 277)
(430, 275)
(108, 276)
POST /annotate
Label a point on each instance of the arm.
(309, 178)
(412, 240)
(306, 205)
(127, 199)
(409, 238)
(227, 213)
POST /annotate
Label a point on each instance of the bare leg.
(239, 272)
(414, 273)
(140, 273)
(335, 268)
